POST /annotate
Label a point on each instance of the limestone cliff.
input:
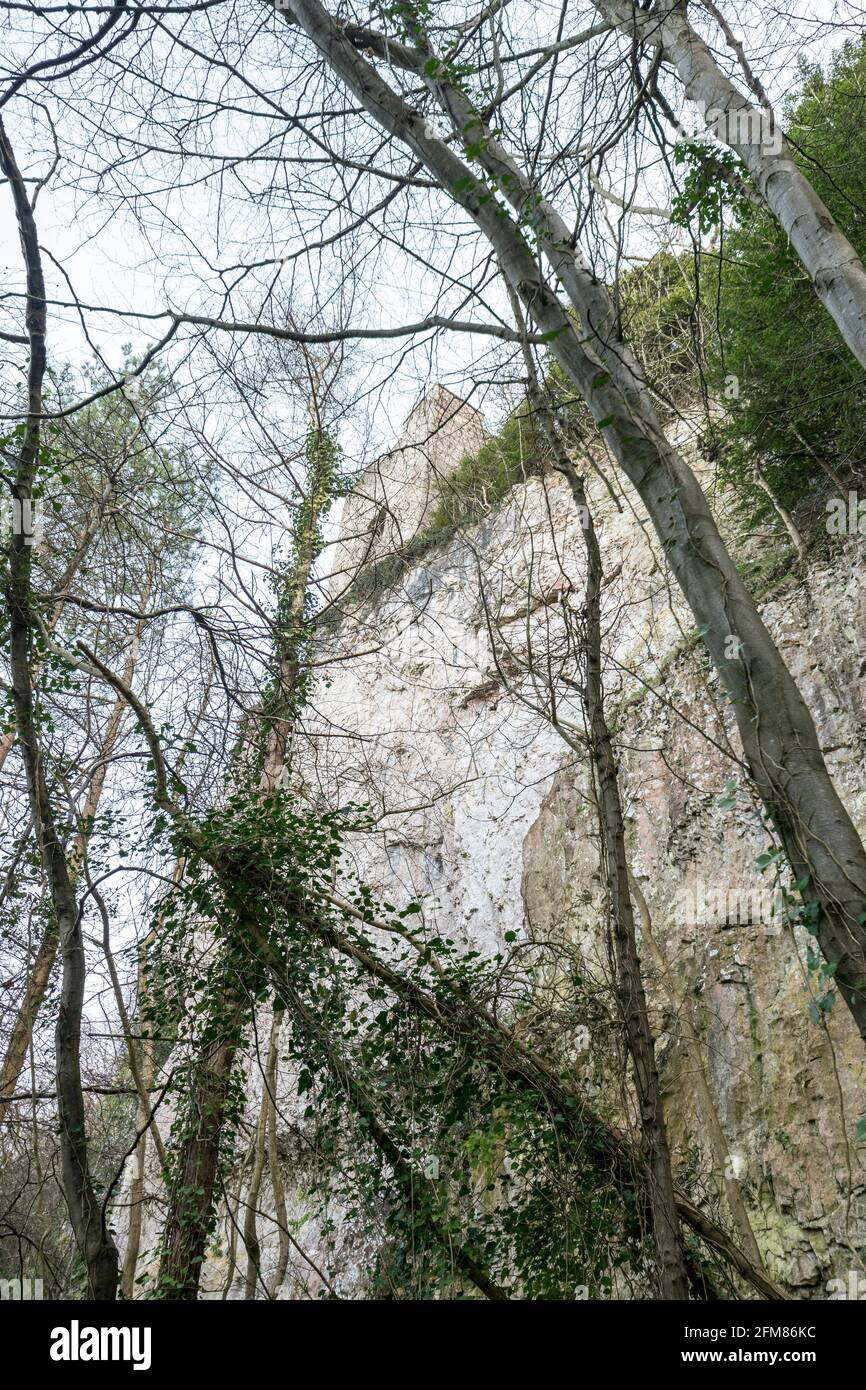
(484, 820)
(437, 711)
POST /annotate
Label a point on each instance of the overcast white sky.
(118, 266)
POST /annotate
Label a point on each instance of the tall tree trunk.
(265, 1151)
(673, 1280)
(641, 1044)
(147, 1068)
(137, 1186)
(86, 1214)
(672, 1276)
(190, 1210)
(836, 271)
(250, 1227)
(274, 1166)
(779, 739)
(191, 1190)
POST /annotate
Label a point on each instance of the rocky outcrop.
(485, 819)
(396, 494)
(448, 704)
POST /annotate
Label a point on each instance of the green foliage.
(481, 480)
(793, 394)
(663, 322)
(747, 328)
(710, 184)
(470, 492)
(488, 1162)
(287, 690)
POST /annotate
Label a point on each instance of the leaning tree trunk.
(778, 736)
(454, 1010)
(429, 1211)
(836, 271)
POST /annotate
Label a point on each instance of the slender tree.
(86, 1211)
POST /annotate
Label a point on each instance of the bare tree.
(87, 1213)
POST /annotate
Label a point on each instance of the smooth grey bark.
(836, 271)
(779, 740)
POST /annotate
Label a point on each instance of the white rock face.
(443, 724)
(396, 494)
(438, 712)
